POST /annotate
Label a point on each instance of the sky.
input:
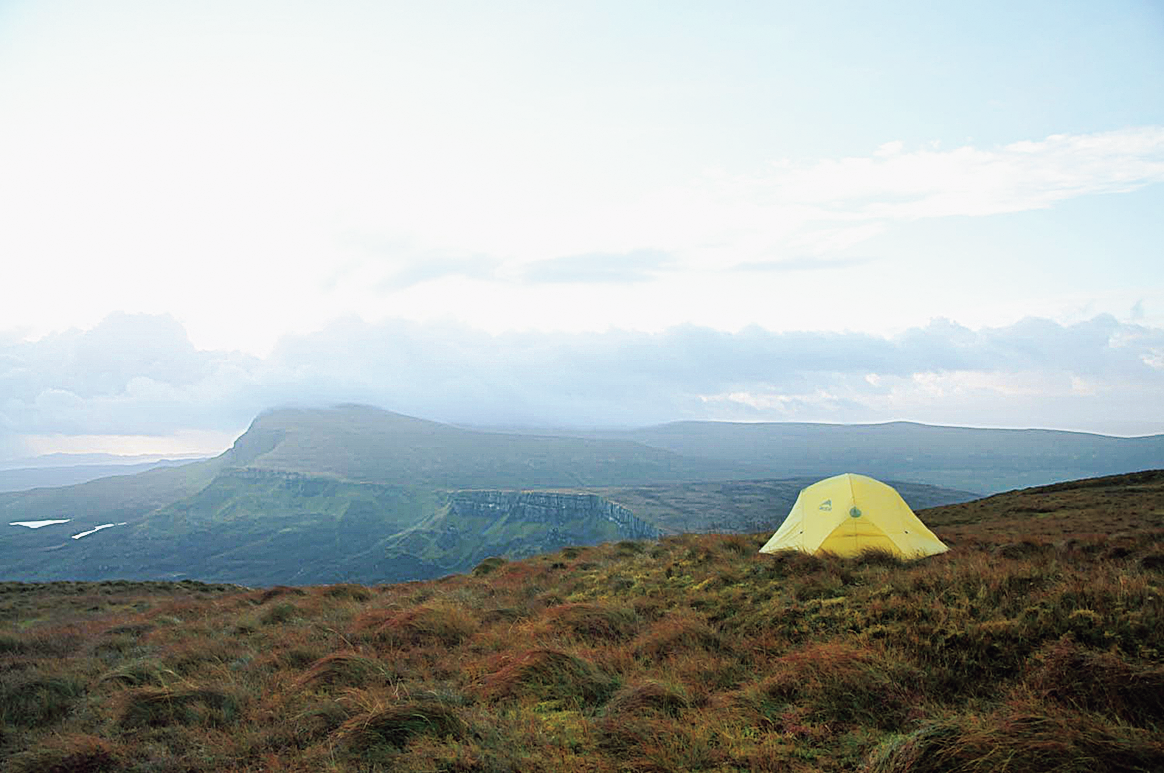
(577, 214)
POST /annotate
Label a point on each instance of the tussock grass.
(283, 612)
(133, 630)
(347, 591)
(158, 706)
(276, 592)
(630, 548)
(837, 683)
(1100, 681)
(649, 697)
(33, 699)
(1021, 739)
(13, 645)
(346, 669)
(395, 724)
(69, 754)
(438, 622)
(193, 655)
(140, 673)
(677, 634)
(659, 745)
(298, 657)
(593, 621)
(1033, 645)
(319, 720)
(549, 675)
(875, 557)
(504, 615)
(488, 566)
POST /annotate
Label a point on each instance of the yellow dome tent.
(849, 514)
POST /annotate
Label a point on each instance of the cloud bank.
(140, 375)
(357, 237)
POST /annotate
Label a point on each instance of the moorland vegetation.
(1033, 645)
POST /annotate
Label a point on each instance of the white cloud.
(206, 235)
(789, 210)
(831, 204)
(1094, 375)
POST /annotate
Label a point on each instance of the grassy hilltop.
(1033, 645)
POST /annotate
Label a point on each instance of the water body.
(98, 528)
(38, 524)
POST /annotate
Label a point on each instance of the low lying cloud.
(139, 375)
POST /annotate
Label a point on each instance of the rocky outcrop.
(475, 525)
(553, 509)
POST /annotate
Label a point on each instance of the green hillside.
(314, 496)
(264, 527)
(473, 526)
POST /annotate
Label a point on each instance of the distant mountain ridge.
(985, 460)
(361, 443)
(358, 493)
(55, 475)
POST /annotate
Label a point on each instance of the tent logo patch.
(826, 505)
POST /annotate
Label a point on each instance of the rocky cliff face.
(475, 525)
(567, 512)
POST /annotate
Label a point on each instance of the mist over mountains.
(136, 374)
